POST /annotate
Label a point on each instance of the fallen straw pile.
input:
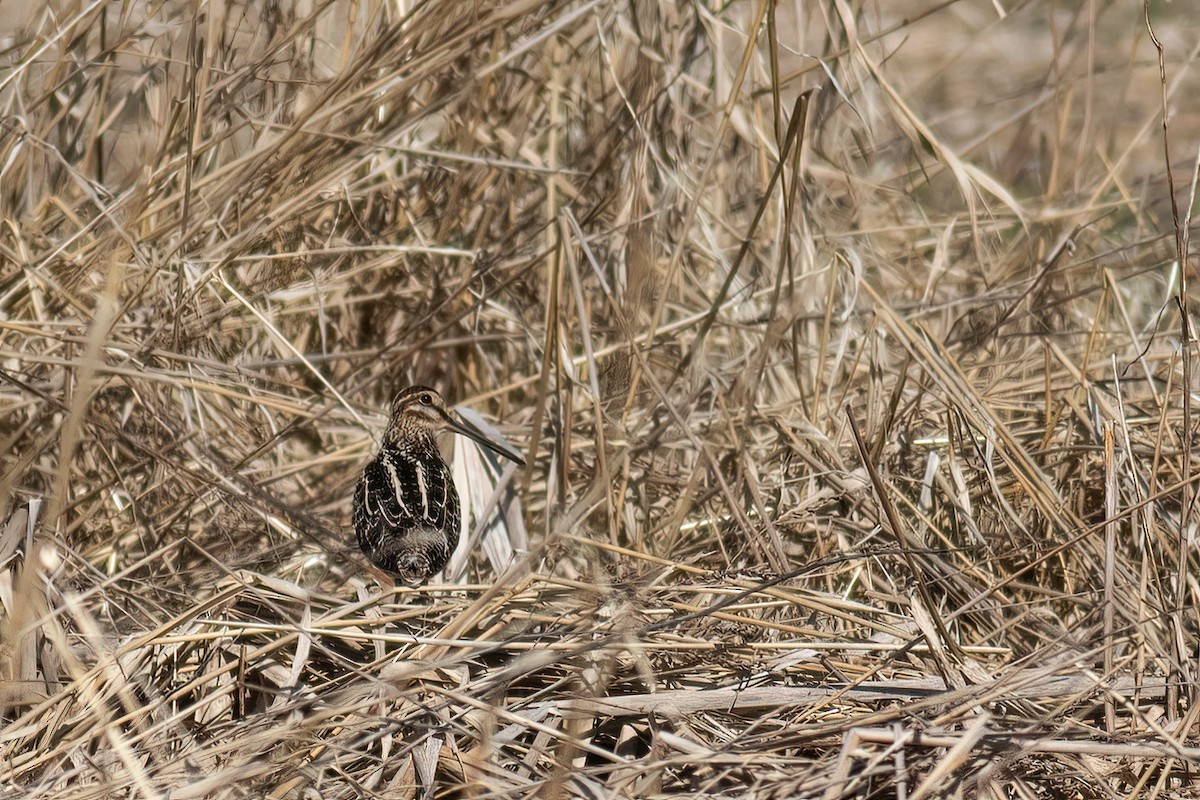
(844, 344)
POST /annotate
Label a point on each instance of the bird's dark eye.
(426, 400)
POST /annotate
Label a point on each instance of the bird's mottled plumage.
(406, 511)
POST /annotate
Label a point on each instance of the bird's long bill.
(458, 426)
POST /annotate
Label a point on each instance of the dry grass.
(848, 358)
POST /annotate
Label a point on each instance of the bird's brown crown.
(417, 409)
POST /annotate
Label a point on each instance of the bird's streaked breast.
(408, 490)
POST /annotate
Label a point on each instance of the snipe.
(406, 511)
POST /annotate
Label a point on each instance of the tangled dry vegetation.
(844, 340)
